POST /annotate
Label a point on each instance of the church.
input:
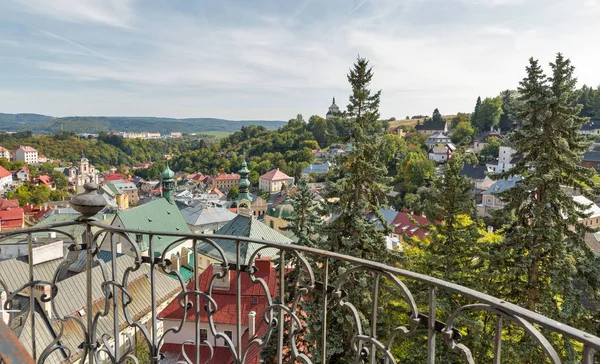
(333, 112)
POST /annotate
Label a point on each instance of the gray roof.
(591, 156)
(591, 125)
(202, 215)
(502, 185)
(474, 171)
(248, 227)
(317, 168)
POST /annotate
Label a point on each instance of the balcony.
(113, 297)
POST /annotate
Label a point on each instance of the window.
(272, 224)
(203, 335)
(229, 334)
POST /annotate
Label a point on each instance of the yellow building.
(276, 216)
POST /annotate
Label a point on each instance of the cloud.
(117, 13)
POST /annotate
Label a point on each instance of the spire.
(333, 100)
(168, 183)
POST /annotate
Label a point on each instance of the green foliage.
(487, 114)
(491, 150)
(463, 133)
(545, 263)
(459, 118)
(30, 193)
(233, 193)
(589, 98)
(415, 170)
(510, 106)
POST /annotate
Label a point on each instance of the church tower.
(244, 199)
(334, 111)
(168, 184)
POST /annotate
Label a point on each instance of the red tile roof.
(226, 299)
(25, 169)
(45, 179)
(26, 148)
(112, 177)
(4, 172)
(11, 218)
(274, 175)
(227, 177)
(2, 149)
(4, 204)
(403, 224)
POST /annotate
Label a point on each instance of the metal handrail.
(520, 315)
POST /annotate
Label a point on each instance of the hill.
(43, 124)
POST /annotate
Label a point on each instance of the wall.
(188, 331)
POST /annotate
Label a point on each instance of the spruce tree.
(544, 262)
(475, 114)
(359, 189)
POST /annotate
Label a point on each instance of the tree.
(475, 114)
(544, 261)
(233, 193)
(508, 110)
(436, 117)
(414, 171)
(463, 133)
(491, 150)
(60, 180)
(459, 118)
(488, 114)
(359, 189)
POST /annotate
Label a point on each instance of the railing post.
(197, 303)
(431, 326)
(115, 294)
(281, 312)
(238, 298)
(498, 340)
(154, 349)
(374, 317)
(588, 355)
(89, 298)
(324, 324)
(31, 296)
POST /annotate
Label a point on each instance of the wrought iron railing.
(94, 333)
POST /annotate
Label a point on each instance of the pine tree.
(437, 116)
(359, 189)
(544, 262)
(506, 118)
(475, 114)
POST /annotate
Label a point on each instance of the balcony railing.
(107, 327)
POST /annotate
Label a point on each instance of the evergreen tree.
(544, 262)
(436, 117)
(475, 114)
(359, 190)
(506, 119)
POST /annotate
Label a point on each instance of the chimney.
(175, 263)
(252, 324)
(42, 293)
(264, 266)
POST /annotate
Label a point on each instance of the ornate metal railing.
(94, 333)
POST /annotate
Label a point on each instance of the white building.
(26, 154)
(437, 139)
(333, 112)
(6, 178)
(507, 158)
(4, 153)
(274, 180)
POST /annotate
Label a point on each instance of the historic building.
(333, 112)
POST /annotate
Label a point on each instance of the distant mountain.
(95, 124)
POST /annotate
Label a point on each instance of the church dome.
(168, 173)
(282, 210)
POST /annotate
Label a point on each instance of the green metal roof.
(158, 215)
(186, 272)
(76, 230)
(247, 227)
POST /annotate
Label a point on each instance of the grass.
(216, 134)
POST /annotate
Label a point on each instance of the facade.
(23, 174)
(319, 154)
(26, 154)
(254, 303)
(333, 112)
(479, 177)
(591, 209)
(490, 198)
(591, 159)
(507, 158)
(5, 153)
(80, 175)
(482, 140)
(12, 218)
(224, 181)
(6, 178)
(437, 139)
(441, 154)
(274, 180)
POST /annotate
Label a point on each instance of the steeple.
(333, 103)
(168, 183)
(244, 199)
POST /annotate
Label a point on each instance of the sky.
(274, 59)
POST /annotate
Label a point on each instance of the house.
(175, 135)
(34, 214)
(507, 159)
(6, 178)
(124, 194)
(591, 159)
(591, 209)
(590, 128)
(483, 139)
(406, 225)
(490, 197)
(80, 175)
(25, 154)
(23, 174)
(44, 179)
(274, 180)
(113, 177)
(430, 126)
(70, 299)
(224, 181)
(12, 218)
(441, 154)
(316, 169)
(319, 154)
(437, 139)
(142, 165)
(4, 204)
(333, 112)
(5, 153)
(478, 175)
(254, 304)
(203, 219)
(42, 158)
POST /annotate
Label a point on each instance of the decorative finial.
(90, 202)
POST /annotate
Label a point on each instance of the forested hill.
(96, 124)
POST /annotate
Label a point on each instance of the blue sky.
(274, 59)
